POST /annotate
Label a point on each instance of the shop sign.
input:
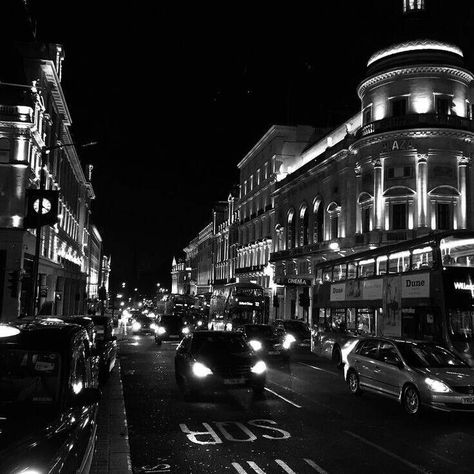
(338, 292)
(373, 289)
(296, 281)
(397, 145)
(416, 286)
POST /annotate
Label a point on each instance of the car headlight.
(160, 330)
(259, 368)
(136, 326)
(437, 386)
(289, 339)
(199, 323)
(153, 326)
(185, 330)
(255, 345)
(200, 370)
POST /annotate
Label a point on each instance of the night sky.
(177, 94)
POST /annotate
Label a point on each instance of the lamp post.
(39, 211)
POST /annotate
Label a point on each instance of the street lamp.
(39, 211)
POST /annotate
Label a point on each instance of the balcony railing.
(416, 121)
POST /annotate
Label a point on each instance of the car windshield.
(210, 344)
(428, 355)
(29, 376)
(296, 326)
(256, 330)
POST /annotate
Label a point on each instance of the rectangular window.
(399, 262)
(422, 258)
(366, 268)
(327, 274)
(382, 265)
(443, 104)
(339, 272)
(399, 106)
(400, 172)
(351, 270)
(366, 219)
(399, 216)
(443, 216)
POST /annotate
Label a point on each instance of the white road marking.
(255, 467)
(315, 466)
(285, 466)
(283, 398)
(318, 368)
(387, 452)
(239, 468)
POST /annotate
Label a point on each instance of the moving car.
(142, 324)
(106, 345)
(216, 360)
(48, 402)
(298, 329)
(171, 326)
(267, 341)
(416, 373)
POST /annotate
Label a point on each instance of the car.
(418, 374)
(48, 401)
(217, 360)
(267, 341)
(106, 345)
(171, 326)
(142, 324)
(298, 329)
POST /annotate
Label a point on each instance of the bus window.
(351, 270)
(319, 275)
(327, 274)
(460, 323)
(367, 268)
(382, 265)
(457, 251)
(399, 262)
(366, 321)
(351, 319)
(422, 258)
(339, 319)
(339, 272)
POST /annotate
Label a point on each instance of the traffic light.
(303, 300)
(14, 283)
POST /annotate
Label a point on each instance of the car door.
(365, 360)
(387, 370)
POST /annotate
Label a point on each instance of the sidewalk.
(112, 451)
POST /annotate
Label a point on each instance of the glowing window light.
(404, 254)
(423, 250)
(456, 243)
(367, 262)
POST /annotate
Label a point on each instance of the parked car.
(106, 345)
(298, 329)
(48, 401)
(142, 324)
(171, 327)
(416, 373)
(216, 360)
(267, 341)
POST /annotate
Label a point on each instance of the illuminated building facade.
(31, 119)
(178, 276)
(398, 169)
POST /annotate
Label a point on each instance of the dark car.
(48, 402)
(216, 360)
(171, 327)
(106, 345)
(298, 329)
(267, 341)
(142, 324)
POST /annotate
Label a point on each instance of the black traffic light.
(303, 300)
(48, 214)
(102, 293)
(276, 301)
(14, 283)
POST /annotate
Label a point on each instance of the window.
(327, 274)
(366, 268)
(351, 270)
(382, 265)
(400, 172)
(4, 150)
(369, 349)
(366, 212)
(303, 226)
(265, 175)
(290, 231)
(367, 115)
(443, 216)
(334, 226)
(413, 5)
(251, 183)
(318, 216)
(399, 106)
(422, 258)
(388, 353)
(339, 272)
(399, 216)
(245, 188)
(399, 262)
(258, 177)
(443, 104)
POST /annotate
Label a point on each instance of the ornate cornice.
(454, 72)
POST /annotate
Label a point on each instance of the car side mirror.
(87, 396)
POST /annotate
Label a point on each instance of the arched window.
(318, 220)
(366, 203)
(334, 211)
(290, 230)
(303, 226)
(444, 201)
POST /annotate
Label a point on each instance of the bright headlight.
(200, 370)
(289, 339)
(255, 345)
(437, 386)
(160, 330)
(199, 323)
(153, 326)
(185, 330)
(136, 326)
(259, 368)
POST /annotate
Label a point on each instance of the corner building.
(398, 169)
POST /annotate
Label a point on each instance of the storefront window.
(461, 324)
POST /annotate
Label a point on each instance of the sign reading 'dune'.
(338, 292)
(416, 286)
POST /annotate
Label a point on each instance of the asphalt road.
(307, 422)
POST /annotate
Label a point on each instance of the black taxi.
(48, 401)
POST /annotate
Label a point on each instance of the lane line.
(318, 368)
(387, 452)
(285, 466)
(255, 467)
(239, 468)
(315, 466)
(283, 398)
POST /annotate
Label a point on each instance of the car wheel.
(337, 357)
(353, 382)
(411, 400)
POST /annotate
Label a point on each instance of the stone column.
(421, 189)
(463, 161)
(378, 194)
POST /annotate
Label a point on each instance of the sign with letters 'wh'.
(416, 286)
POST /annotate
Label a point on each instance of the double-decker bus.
(419, 289)
(236, 304)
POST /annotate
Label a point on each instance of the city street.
(306, 422)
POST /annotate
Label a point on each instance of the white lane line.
(283, 398)
(239, 468)
(315, 466)
(255, 467)
(318, 368)
(387, 452)
(285, 466)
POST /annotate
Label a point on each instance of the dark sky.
(177, 94)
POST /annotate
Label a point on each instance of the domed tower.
(414, 147)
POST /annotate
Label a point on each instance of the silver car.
(416, 373)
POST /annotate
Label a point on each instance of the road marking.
(387, 452)
(315, 466)
(255, 467)
(283, 398)
(239, 468)
(318, 368)
(285, 466)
